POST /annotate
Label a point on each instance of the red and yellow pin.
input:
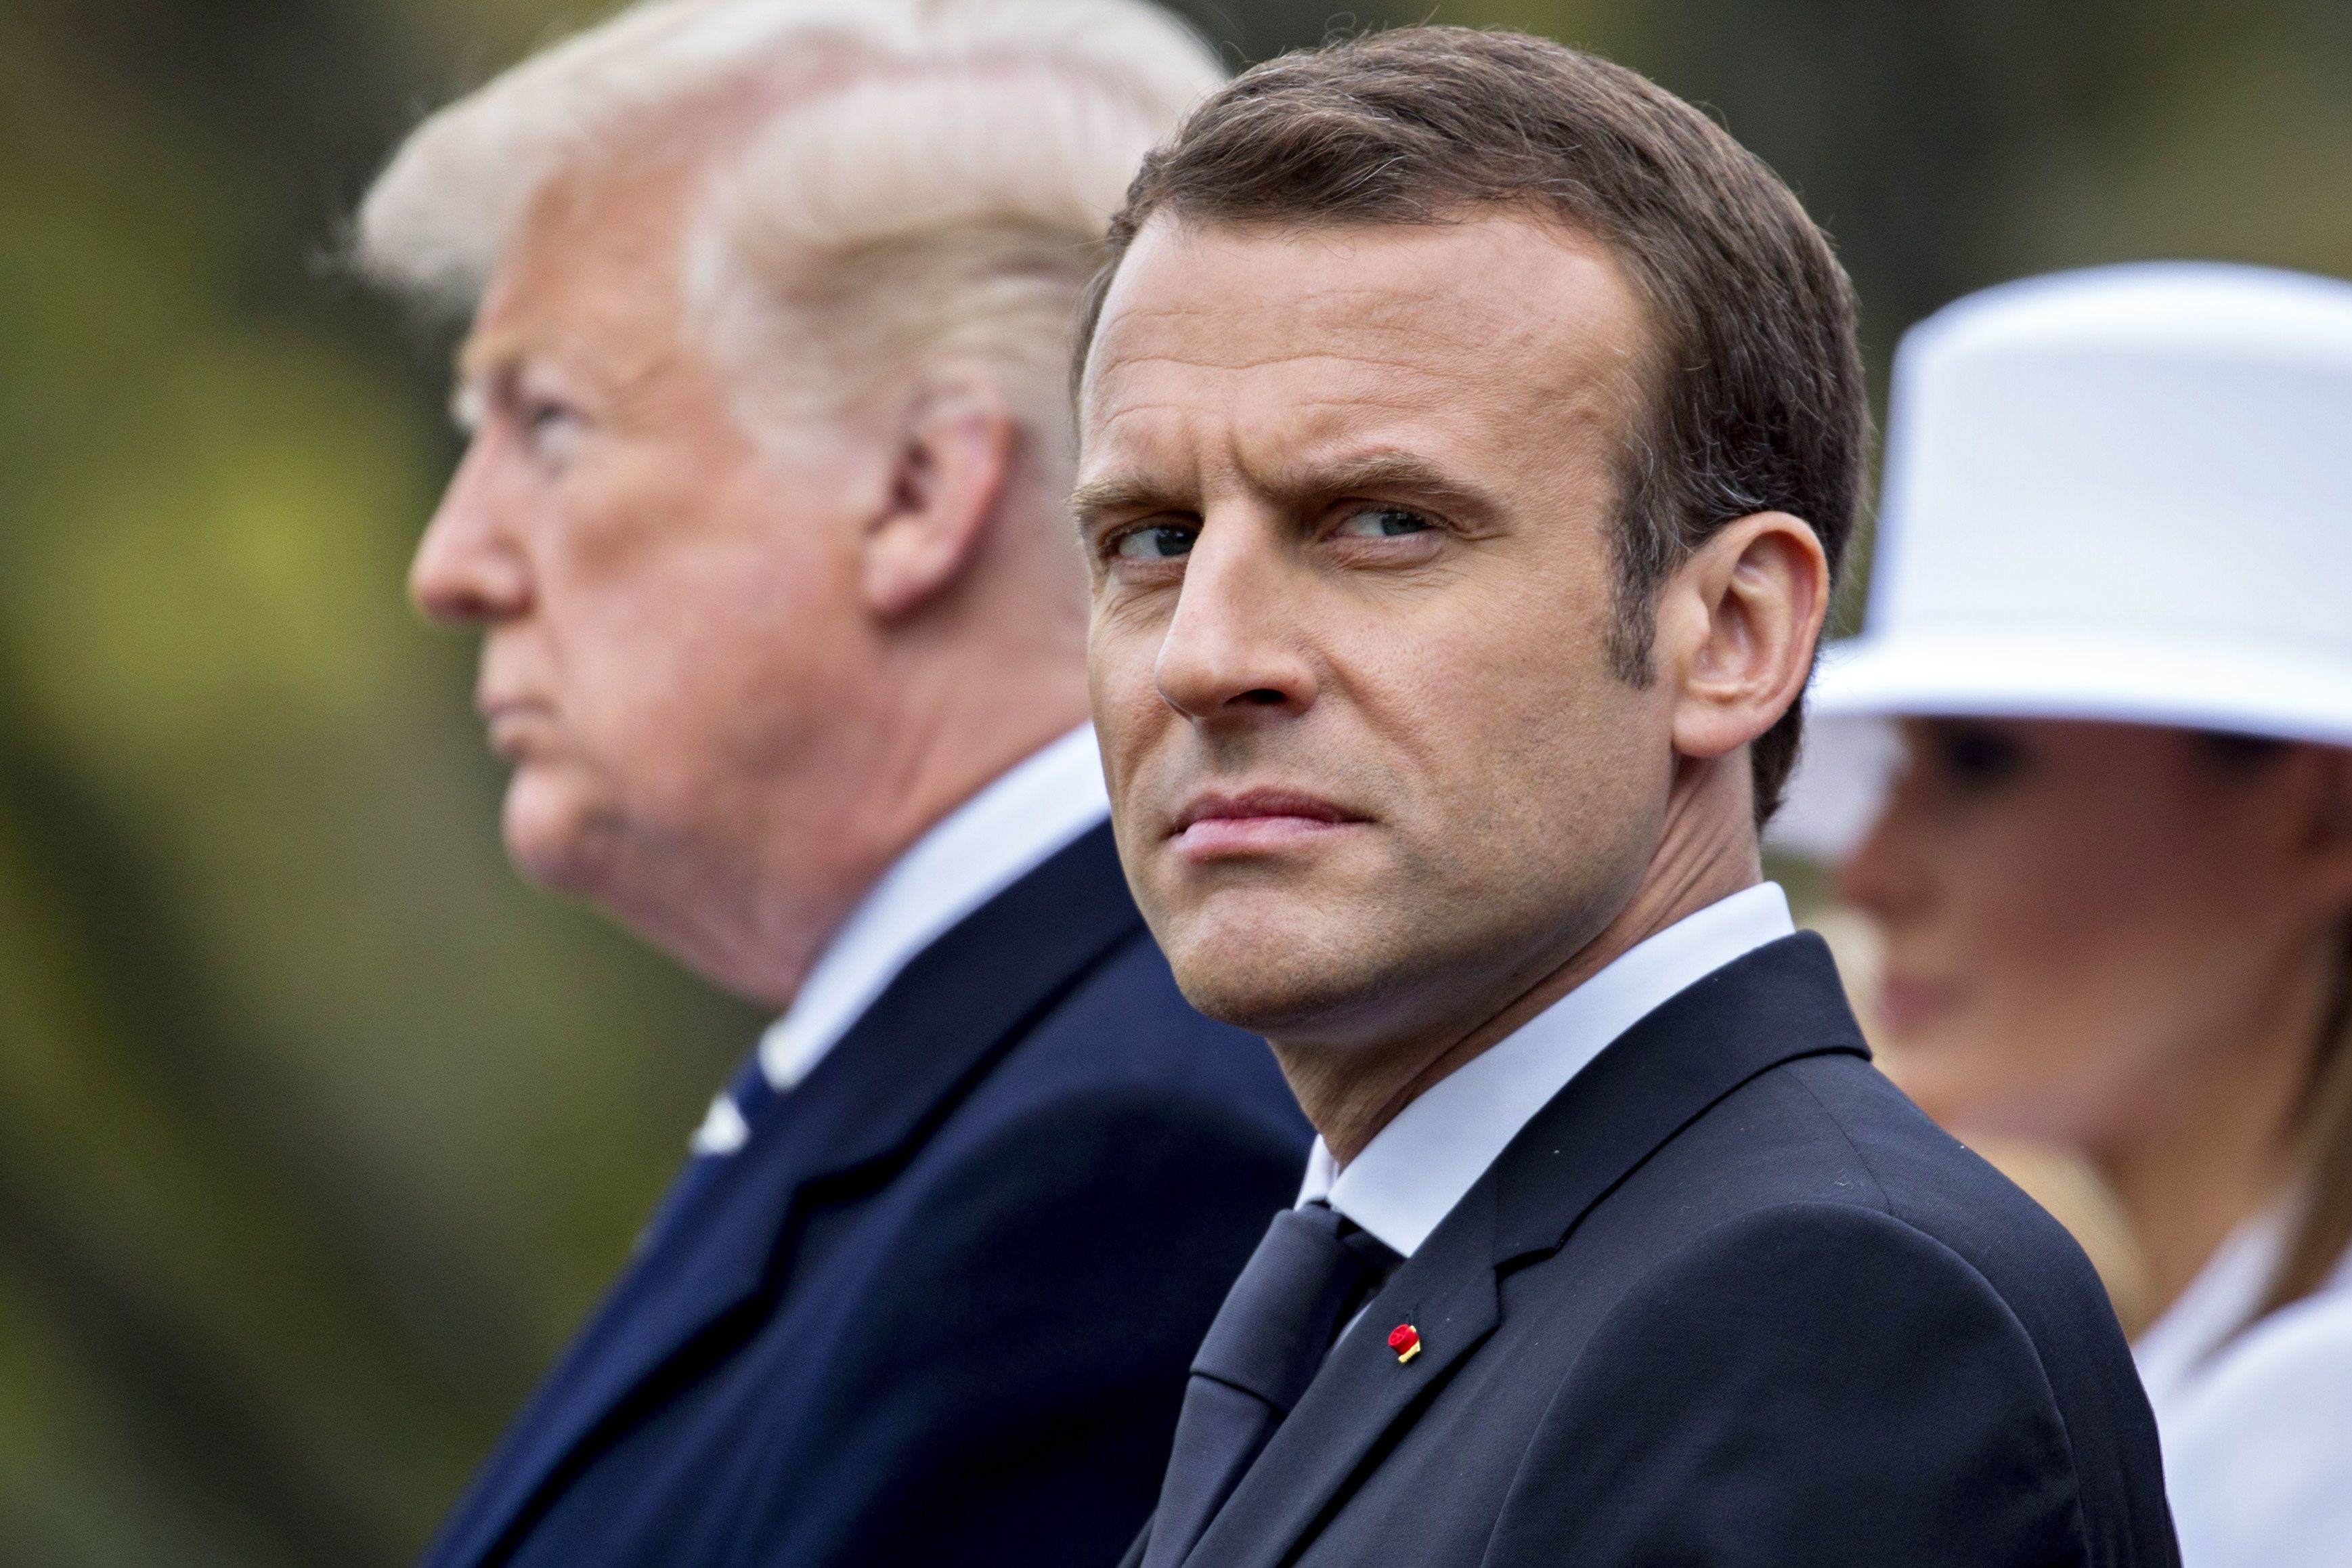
(1405, 1339)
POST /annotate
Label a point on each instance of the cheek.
(2051, 918)
(1123, 690)
(697, 649)
(2068, 950)
(2087, 919)
(1510, 727)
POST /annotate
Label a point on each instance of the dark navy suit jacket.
(939, 1308)
(1729, 1298)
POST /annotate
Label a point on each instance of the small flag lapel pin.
(1405, 1339)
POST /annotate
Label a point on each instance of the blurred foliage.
(319, 1132)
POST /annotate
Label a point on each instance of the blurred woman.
(2112, 619)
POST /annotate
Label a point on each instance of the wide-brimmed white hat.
(2123, 493)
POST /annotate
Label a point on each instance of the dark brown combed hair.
(1756, 400)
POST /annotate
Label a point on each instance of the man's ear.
(957, 445)
(1742, 614)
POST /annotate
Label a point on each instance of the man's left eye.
(1384, 522)
(1162, 542)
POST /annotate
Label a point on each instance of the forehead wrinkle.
(1117, 366)
(1266, 431)
(1308, 466)
(1381, 314)
(1113, 397)
(1144, 335)
(1401, 350)
(1372, 364)
(1272, 420)
(1444, 308)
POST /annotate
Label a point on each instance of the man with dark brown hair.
(1472, 431)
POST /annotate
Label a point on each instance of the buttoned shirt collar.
(981, 847)
(1417, 1167)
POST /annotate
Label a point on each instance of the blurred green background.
(317, 1132)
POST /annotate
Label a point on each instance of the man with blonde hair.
(762, 519)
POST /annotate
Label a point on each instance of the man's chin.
(550, 833)
(1270, 979)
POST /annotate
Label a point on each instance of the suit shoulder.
(1120, 1108)
(1119, 1148)
(1125, 1031)
(1776, 1259)
(1812, 1380)
(1932, 1182)
(1932, 1186)
(1831, 1129)
(1034, 1243)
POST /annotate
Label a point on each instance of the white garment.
(2171, 1352)
(981, 847)
(1417, 1168)
(2257, 1429)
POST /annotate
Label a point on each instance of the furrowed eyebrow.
(1399, 474)
(481, 370)
(478, 362)
(1098, 498)
(1396, 473)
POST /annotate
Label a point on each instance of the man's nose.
(1234, 648)
(469, 567)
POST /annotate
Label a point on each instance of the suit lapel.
(1779, 1003)
(716, 1268)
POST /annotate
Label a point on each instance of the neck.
(756, 918)
(2218, 1146)
(1707, 852)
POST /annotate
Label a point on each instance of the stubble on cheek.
(1327, 942)
(1251, 940)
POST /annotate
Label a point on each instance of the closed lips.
(1259, 805)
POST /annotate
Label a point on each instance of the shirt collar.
(983, 846)
(1417, 1168)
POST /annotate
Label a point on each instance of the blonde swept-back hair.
(917, 181)
(2319, 1133)
(2321, 1232)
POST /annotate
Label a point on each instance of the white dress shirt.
(2256, 1422)
(1417, 1168)
(981, 847)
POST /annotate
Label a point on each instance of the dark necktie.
(1313, 1268)
(751, 1095)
